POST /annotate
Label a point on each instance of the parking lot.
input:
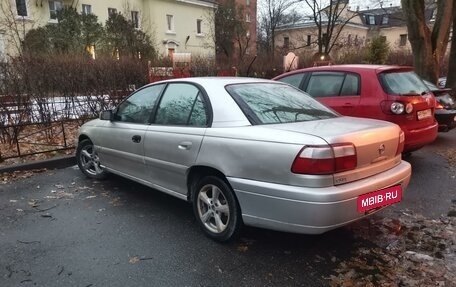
(58, 228)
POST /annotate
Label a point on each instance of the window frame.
(286, 42)
(86, 9)
(2, 48)
(135, 19)
(111, 11)
(204, 98)
(199, 27)
(305, 84)
(170, 24)
(53, 12)
(24, 5)
(403, 40)
(371, 20)
(153, 110)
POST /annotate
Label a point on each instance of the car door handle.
(185, 145)
(136, 139)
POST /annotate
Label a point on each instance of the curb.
(53, 163)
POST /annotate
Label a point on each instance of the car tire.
(88, 161)
(216, 208)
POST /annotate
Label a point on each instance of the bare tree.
(14, 25)
(230, 33)
(428, 43)
(330, 22)
(272, 14)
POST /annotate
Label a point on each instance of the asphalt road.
(59, 228)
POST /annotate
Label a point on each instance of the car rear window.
(269, 103)
(402, 83)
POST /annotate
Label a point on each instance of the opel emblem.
(381, 149)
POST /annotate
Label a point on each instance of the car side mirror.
(107, 115)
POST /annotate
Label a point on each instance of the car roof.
(220, 81)
(351, 68)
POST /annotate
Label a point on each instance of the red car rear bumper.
(417, 138)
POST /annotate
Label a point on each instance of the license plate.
(424, 114)
(379, 198)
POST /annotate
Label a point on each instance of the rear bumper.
(446, 119)
(310, 210)
(417, 138)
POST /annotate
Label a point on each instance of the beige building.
(177, 26)
(356, 28)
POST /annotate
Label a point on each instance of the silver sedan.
(248, 151)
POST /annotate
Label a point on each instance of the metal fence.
(45, 125)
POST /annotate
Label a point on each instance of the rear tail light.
(400, 146)
(397, 108)
(439, 106)
(325, 159)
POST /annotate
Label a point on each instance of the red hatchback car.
(391, 93)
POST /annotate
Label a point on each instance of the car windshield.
(402, 83)
(269, 103)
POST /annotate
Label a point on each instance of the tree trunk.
(428, 47)
(451, 77)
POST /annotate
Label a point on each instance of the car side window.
(139, 106)
(294, 80)
(182, 104)
(350, 86)
(325, 84)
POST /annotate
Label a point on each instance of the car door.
(174, 138)
(338, 90)
(121, 147)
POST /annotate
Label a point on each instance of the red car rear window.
(402, 83)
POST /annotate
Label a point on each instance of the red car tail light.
(400, 146)
(397, 108)
(325, 159)
(439, 106)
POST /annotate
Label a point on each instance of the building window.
(403, 40)
(2, 48)
(21, 7)
(199, 29)
(247, 2)
(54, 7)
(86, 9)
(324, 38)
(247, 17)
(309, 40)
(112, 11)
(170, 23)
(370, 20)
(135, 19)
(286, 42)
(385, 19)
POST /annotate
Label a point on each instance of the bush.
(377, 51)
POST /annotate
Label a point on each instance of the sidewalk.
(52, 163)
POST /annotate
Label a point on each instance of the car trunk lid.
(376, 143)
